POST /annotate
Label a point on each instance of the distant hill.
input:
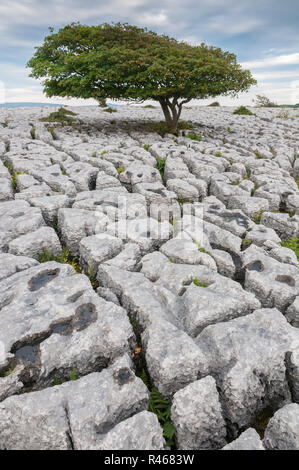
(26, 104)
(289, 105)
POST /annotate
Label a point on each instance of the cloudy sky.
(264, 35)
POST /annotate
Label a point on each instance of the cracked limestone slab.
(146, 302)
(116, 204)
(197, 416)
(185, 251)
(12, 264)
(77, 224)
(246, 356)
(142, 431)
(127, 259)
(33, 244)
(251, 206)
(53, 321)
(148, 233)
(214, 303)
(50, 206)
(275, 284)
(98, 248)
(282, 432)
(6, 190)
(17, 218)
(172, 358)
(284, 225)
(248, 440)
(71, 416)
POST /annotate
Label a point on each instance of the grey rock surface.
(70, 416)
(183, 242)
(247, 356)
(142, 432)
(197, 416)
(249, 440)
(282, 432)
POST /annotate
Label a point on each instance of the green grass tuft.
(257, 218)
(193, 136)
(200, 284)
(63, 116)
(292, 244)
(243, 111)
(161, 166)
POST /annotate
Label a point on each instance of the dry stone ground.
(125, 254)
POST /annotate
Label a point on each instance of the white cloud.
(286, 59)
(153, 19)
(278, 75)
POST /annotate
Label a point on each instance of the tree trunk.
(172, 111)
(102, 103)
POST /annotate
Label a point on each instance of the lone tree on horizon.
(120, 61)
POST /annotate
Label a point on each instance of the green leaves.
(243, 111)
(126, 62)
(162, 408)
(121, 61)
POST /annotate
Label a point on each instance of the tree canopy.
(120, 61)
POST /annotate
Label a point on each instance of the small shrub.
(5, 123)
(229, 129)
(33, 133)
(146, 147)
(257, 218)
(163, 128)
(218, 154)
(120, 170)
(215, 103)
(161, 166)
(94, 154)
(263, 101)
(160, 128)
(63, 116)
(64, 258)
(67, 112)
(193, 136)
(149, 106)
(283, 114)
(185, 125)
(243, 111)
(51, 131)
(258, 155)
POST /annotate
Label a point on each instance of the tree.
(262, 101)
(121, 61)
